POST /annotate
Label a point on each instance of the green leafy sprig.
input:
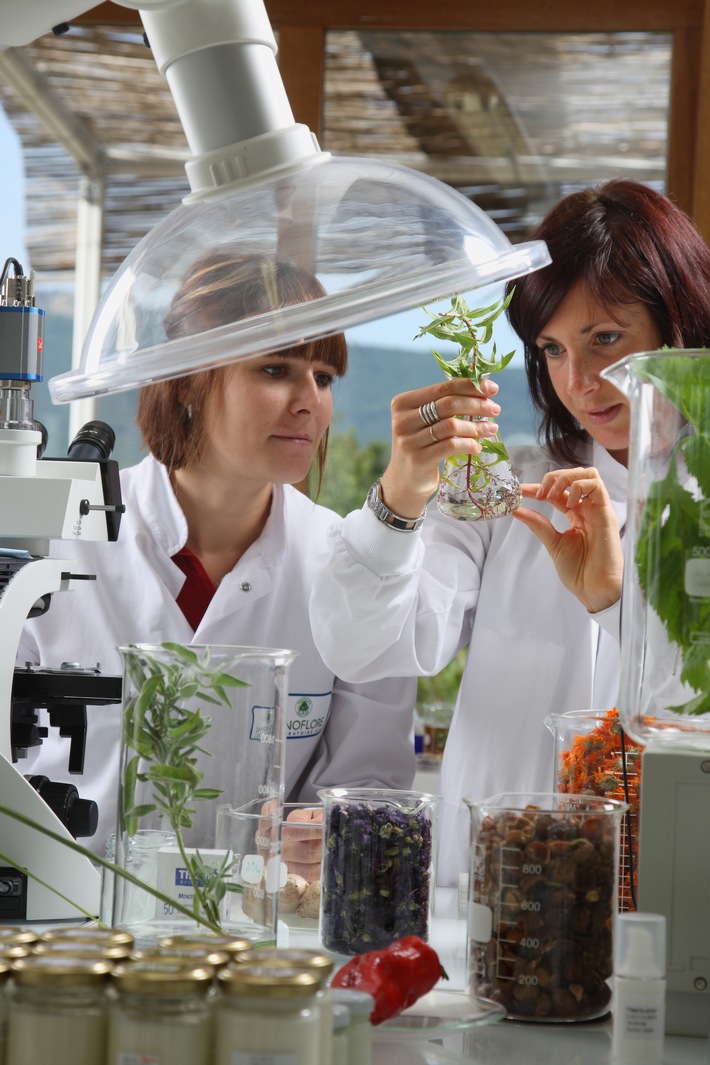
(676, 510)
(163, 727)
(471, 329)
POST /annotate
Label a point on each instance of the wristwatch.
(381, 511)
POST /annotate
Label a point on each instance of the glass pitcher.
(665, 623)
(201, 790)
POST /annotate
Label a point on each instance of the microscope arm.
(70, 873)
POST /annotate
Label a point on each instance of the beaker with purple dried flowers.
(377, 867)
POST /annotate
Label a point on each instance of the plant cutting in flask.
(164, 725)
(474, 487)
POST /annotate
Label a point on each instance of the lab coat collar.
(163, 515)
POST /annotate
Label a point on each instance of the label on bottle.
(642, 1020)
(241, 1057)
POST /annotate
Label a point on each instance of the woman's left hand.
(588, 556)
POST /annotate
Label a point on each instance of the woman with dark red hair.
(540, 614)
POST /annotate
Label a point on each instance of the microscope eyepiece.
(94, 441)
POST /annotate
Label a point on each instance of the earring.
(188, 409)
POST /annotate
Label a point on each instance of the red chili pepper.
(396, 976)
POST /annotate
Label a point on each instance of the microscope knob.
(80, 816)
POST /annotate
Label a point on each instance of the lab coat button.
(246, 587)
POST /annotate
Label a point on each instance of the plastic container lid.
(640, 946)
(379, 237)
(359, 1003)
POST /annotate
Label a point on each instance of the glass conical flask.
(481, 486)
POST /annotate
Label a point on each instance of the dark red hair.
(626, 243)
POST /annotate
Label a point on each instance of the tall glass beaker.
(664, 697)
(542, 903)
(201, 769)
(665, 647)
(593, 756)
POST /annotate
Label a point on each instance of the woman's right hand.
(418, 449)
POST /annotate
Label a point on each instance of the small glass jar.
(58, 1010)
(313, 961)
(161, 1013)
(268, 1014)
(341, 1023)
(5, 971)
(360, 1005)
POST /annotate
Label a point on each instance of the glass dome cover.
(379, 238)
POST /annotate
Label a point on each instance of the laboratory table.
(501, 1042)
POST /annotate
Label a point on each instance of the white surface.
(505, 1042)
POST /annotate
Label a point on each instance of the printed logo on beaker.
(262, 724)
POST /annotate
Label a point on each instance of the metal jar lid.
(292, 957)
(82, 948)
(160, 976)
(267, 981)
(12, 934)
(89, 934)
(184, 956)
(59, 971)
(211, 941)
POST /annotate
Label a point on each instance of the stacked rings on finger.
(429, 413)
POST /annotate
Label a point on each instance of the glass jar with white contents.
(58, 1010)
(5, 970)
(161, 1014)
(267, 1015)
(315, 961)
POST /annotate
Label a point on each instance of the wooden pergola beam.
(302, 30)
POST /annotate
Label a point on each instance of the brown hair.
(626, 243)
(224, 287)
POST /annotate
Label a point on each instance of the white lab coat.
(390, 603)
(366, 736)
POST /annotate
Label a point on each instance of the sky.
(12, 208)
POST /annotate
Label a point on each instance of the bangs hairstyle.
(625, 243)
(223, 288)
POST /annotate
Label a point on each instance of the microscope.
(42, 499)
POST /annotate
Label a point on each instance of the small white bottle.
(639, 988)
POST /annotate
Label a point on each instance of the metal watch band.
(382, 512)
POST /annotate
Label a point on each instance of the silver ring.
(434, 437)
(429, 413)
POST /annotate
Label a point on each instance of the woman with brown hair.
(217, 546)
(539, 614)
